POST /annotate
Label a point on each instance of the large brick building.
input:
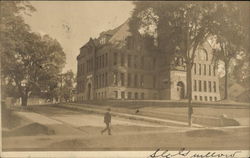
(113, 66)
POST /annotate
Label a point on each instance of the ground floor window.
(142, 95)
(195, 97)
(136, 95)
(129, 95)
(116, 94)
(201, 98)
(210, 99)
(123, 95)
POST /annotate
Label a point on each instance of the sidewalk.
(102, 110)
(179, 114)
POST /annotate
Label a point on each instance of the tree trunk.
(24, 99)
(189, 93)
(226, 82)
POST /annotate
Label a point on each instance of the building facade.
(113, 66)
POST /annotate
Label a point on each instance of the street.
(80, 130)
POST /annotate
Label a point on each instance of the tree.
(230, 36)
(67, 85)
(181, 27)
(29, 61)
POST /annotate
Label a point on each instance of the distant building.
(114, 66)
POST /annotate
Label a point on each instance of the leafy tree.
(231, 35)
(67, 85)
(180, 27)
(29, 61)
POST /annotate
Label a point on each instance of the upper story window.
(130, 42)
(103, 40)
(203, 55)
(194, 68)
(142, 62)
(129, 60)
(154, 63)
(199, 69)
(115, 58)
(122, 59)
(135, 61)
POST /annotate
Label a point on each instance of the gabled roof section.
(121, 32)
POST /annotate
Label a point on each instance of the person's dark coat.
(107, 117)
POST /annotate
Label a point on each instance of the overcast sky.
(73, 23)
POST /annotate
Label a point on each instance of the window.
(209, 86)
(97, 85)
(195, 97)
(200, 98)
(83, 69)
(115, 78)
(136, 95)
(142, 62)
(135, 61)
(87, 65)
(122, 79)
(115, 59)
(116, 94)
(142, 81)
(106, 59)
(203, 55)
(100, 62)
(142, 95)
(129, 95)
(209, 70)
(103, 61)
(100, 81)
(103, 80)
(103, 40)
(199, 69)
(106, 79)
(135, 81)
(96, 63)
(205, 86)
(214, 70)
(123, 95)
(194, 68)
(154, 63)
(129, 42)
(129, 60)
(199, 85)
(122, 59)
(205, 98)
(210, 99)
(215, 98)
(154, 82)
(205, 69)
(129, 79)
(214, 86)
(195, 85)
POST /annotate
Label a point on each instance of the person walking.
(107, 121)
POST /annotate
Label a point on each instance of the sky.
(73, 23)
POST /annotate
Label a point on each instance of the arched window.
(203, 55)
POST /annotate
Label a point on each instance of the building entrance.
(181, 90)
(89, 92)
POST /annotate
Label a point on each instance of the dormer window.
(103, 40)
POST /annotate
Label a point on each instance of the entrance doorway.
(89, 92)
(181, 90)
